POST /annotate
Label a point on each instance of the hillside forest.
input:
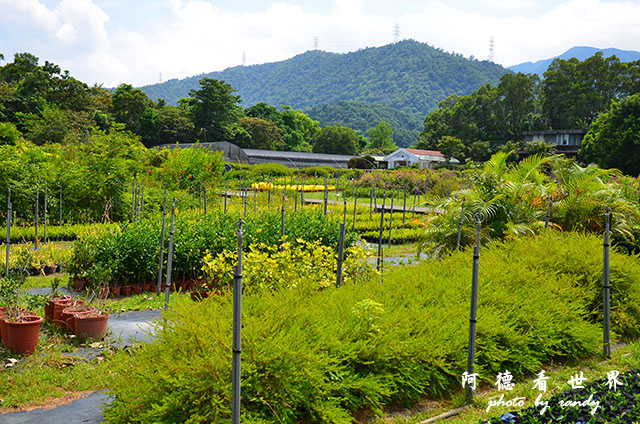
(43, 104)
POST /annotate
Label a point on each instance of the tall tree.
(214, 109)
(336, 139)
(614, 139)
(381, 138)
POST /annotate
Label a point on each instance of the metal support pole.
(37, 213)
(205, 199)
(167, 281)
(200, 198)
(6, 264)
(60, 210)
(404, 204)
(295, 204)
(46, 193)
(460, 224)
(133, 200)
(393, 192)
(164, 223)
(226, 191)
(370, 203)
(606, 286)
(340, 256)
(355, 205)
(378, 264)
(141, 203)
(282, 218)
(326, 195)
(546, 222)
(415, 200)
(479, 218)
(237, 328)
(246, 195)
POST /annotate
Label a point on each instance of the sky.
(139, 42)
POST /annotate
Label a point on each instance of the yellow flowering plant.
(303, 265)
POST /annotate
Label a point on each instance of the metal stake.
(37, 213)
(546, 222)
(606, 286)
(164, 221)
(380, 236)
(237, 328)
(404, 204)
(479, 218)
(60, 220)
(226, 191)
(355, 205)
(326, 195)
(6, 264)
(172, 229)
(46, 192)
(460, 225)
(393, 192)
(340, 255)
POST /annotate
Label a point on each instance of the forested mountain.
(363, 116)
(407, 75)
(580, 53)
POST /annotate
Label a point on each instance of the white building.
(408, 157)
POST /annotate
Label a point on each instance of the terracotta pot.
(23, 335)
(182, 286)
(3, 327)
(126, 290)
(146, 287)
(68, 315)
(92, 325)
(58, 306)
(49, 307)
(137, 289)
(191, 285)
(49, 269)
(153, 288)
(115, 290)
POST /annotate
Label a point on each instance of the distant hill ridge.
(580, 53)
(410, 76)
(406, 75)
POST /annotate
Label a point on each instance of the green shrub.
(320, 356)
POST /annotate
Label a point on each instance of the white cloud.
(201, 37)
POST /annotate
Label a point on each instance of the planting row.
(129, 254)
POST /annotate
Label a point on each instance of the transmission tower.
(244, 58)
(491, 49)
(315, 43)
(160, 77)
(396, 33)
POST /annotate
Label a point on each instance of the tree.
(9, 134)
(264, 134)
(129, 106)
(539, 147)
(214, 108)
(451, 147)
(614, 139)
(381, 138)
(336, 139)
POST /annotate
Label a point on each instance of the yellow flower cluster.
(262, 186)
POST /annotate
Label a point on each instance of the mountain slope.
(408, 75)
(365, 115)
(580, 53)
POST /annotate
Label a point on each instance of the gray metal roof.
(296, 155)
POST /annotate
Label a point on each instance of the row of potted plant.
(77, 316)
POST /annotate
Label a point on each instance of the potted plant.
(53, 297)
(20, 330)
(92, 325)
